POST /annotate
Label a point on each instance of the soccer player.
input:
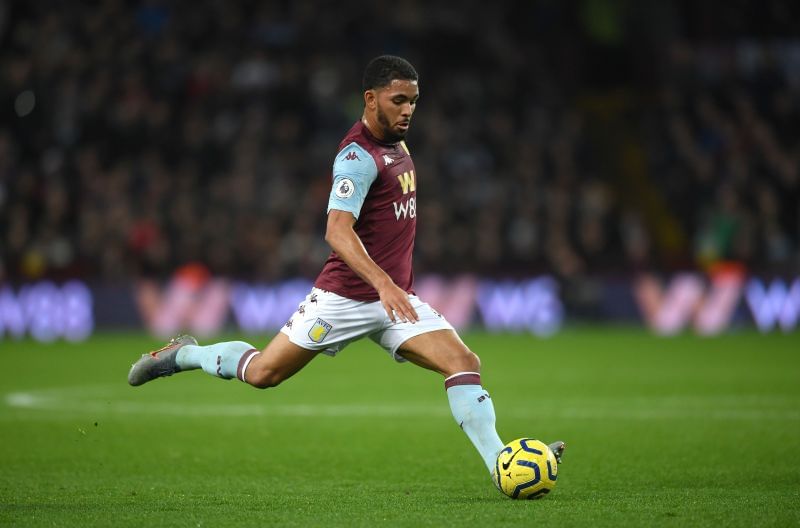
(365, 288)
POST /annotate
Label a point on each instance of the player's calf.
(222, 360)
(473, 410)
(264, 372)
(281, 360)
(264, 378)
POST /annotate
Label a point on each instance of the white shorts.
(327, 322)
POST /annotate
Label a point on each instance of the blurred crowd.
(136, 137)
(723, 142)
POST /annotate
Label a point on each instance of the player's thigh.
(442, 351)
(281, 359)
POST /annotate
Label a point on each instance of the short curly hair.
(381, 71)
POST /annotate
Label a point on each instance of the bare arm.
(345, 242)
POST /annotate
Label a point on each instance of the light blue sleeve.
(354, 170)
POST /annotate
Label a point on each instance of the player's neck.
(373, 128)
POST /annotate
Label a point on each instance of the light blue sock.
(223, 360)
(473, 410)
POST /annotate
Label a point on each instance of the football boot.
(159, 363)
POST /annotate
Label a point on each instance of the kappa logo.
(387, 160)
(352, 156)
(319, 331)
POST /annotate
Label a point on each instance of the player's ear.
(370, 99)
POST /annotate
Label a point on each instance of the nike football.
(525, 469)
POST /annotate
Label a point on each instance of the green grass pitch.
(685, 431)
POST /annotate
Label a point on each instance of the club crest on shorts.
(319, 331)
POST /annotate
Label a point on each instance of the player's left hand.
(397, 304)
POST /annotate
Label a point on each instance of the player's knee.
(472, 363)
(467, 361)
(264, 378)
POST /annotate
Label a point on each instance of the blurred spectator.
(138, 137)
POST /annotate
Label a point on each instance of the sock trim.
(462, 378)
(244, 361)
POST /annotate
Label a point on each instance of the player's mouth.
(403, 125)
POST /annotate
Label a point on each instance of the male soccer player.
(366, 286)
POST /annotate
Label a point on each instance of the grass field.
(660, 432)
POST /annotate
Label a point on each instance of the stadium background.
(593, 175)
(591, 143)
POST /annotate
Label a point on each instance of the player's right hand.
(397, 304)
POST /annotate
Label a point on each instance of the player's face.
(394, 105)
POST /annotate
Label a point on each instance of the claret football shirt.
(377, 184)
